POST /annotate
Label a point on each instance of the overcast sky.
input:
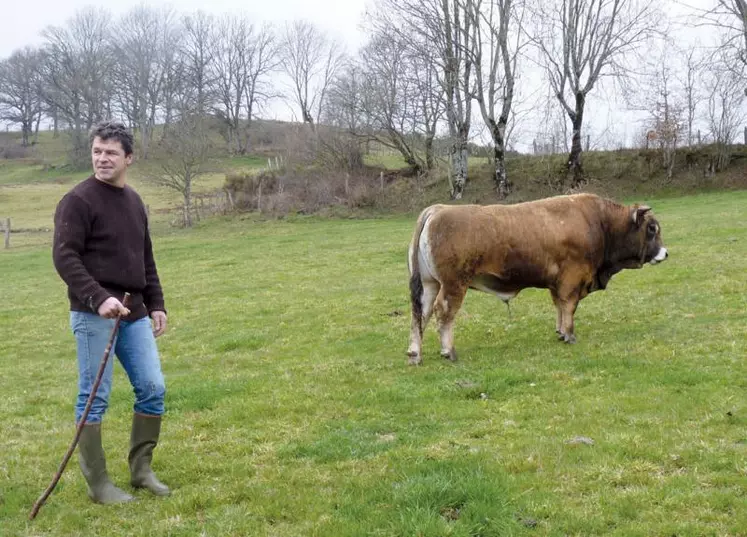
(22, 22)
(606, 116)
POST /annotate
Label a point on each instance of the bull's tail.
(416, 280)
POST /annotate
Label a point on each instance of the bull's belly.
(487, 283)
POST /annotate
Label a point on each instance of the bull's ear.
(638, 212)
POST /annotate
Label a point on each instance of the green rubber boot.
(93, 465)
(143, 440)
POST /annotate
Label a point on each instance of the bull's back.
(521, 245)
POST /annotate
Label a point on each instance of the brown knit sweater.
(102, 248)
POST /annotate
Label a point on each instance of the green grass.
(291, 410)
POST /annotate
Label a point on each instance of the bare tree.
(20, 92)
(348, 123)
(174, 75)
(76, 70)
(661, 97)
(346, 108)
(141, 67)
(736, 11)
(431, 103)
(199, 45)
(581, 41)
(551, 136)
(391, 102)
(310, 60)
(245, 57)
(183, 156)
(726, 112)
(441, 31)
(452, 30)
(690, 82)
(495, 63)
(666, 116)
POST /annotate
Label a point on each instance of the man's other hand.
(159, 322)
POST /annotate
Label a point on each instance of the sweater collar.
(107, 186)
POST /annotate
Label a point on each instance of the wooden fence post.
(7, 232)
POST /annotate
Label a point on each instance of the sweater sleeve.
(70, 229)
(152, 294)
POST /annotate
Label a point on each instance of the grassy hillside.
(625, 175)
(31, 185)
(291, 410)
(30, 188)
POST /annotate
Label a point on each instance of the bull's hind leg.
(559, 310)
(417, 326)
(448, 302)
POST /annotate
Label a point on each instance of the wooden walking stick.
(83, 417)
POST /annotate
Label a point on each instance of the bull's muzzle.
(660, 256)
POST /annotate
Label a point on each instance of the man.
(102, 249)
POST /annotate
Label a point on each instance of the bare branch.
(582, 41)
(310, 60)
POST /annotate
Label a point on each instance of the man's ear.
(128, 159)
(638, 212)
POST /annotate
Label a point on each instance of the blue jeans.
(134, 346)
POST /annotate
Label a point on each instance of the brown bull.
(571, 245)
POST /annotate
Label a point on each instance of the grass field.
(291, 410)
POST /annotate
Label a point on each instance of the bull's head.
(648, 233)
(641, 244)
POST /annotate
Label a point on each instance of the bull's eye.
(651, 229)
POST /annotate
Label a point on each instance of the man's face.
(109, 160)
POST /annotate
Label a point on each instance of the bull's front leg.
(448, 302)
(566, 304)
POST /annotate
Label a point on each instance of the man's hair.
(113, 130)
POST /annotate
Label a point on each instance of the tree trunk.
(411, 162)
(188, 203)
(429, 160)
(574, 159)
(145, 140)
(239, 141)
(36, 128)
(80, 153)
(26, 130)
(405, 150)
(502, 184)
(55, 118)
(459, 158)
(670, 162)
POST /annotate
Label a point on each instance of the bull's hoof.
(566, 338)
(414, 358)
(570, 339)
(449, 355)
